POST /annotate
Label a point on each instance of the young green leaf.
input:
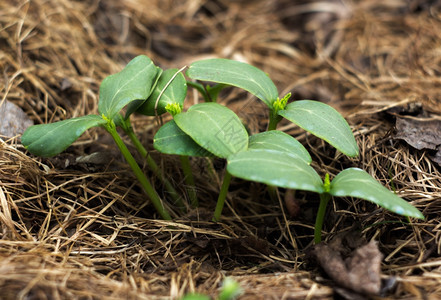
(214, 127)
(134, 82)
(279, 141)
(173, 90)
(50, 139)
(275, 168)
(230, 289)
(357, 183)
(324, 122)
(170, 139)
(237, 74)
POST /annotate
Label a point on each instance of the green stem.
(222, 197)
(189, 180)
(135, 141)
(201, 89)
(274, 119)
(145, 183)
(153, 166)
(272, 191)
(324, 199)
(210, 93)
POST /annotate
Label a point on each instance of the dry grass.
(76, 232)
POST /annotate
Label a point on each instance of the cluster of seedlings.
(209, 129)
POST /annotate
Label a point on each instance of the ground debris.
(359, 271)
(421, 132)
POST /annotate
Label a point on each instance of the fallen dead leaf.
(419, 133)
(360, 271)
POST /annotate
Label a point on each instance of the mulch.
(73, 230)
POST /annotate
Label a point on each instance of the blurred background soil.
(71, 230)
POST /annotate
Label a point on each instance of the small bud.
(280, 104)
(173, 108)
(110, 122)
(230, 289)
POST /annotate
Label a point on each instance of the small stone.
(13, 120)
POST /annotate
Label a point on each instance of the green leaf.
(279, 141)
(170, 139)
(237, 74)
(357, 183)
(50, 139)
(175, 92)
(275, 168)
(214, 127)
(134, 82)
(230, 289)
(324, 122)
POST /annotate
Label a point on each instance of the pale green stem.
(324, 199)
(154, 167)
(222, 197)
(274, 119)
(145, 183)
(201, 89)
(189, 180)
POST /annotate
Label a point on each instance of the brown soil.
(85, 231)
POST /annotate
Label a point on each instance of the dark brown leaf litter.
(422, 132)
(418, 128)
(85, 231)
(355, 269)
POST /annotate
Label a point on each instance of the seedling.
(206, 129)
(285, 170)
(136, 86)
(170, 90)
(210, 129)
(271, 157)
(315, 117)
(230, 290)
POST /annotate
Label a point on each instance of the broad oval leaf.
(324, 122)
(275, 168)
(174, 92)
(238, 74)
(214, 127)
(51, 139)
(134, 82)
(357, 183)
(170, 139)
(279, 141)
